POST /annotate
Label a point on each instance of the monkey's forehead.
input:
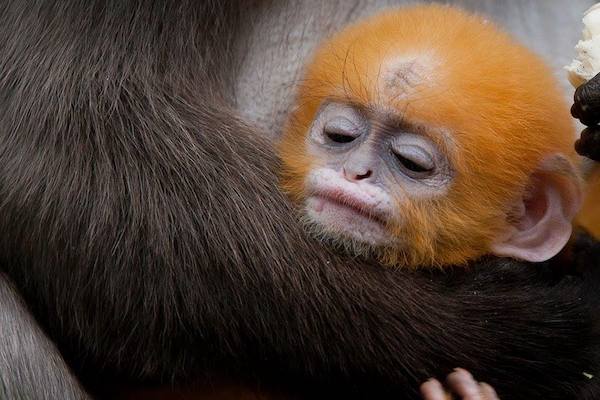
(392, 53)
(439, 65)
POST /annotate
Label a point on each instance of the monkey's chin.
(341, 223)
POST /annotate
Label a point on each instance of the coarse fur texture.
(30, 365)
(143, 226)
(452, 72)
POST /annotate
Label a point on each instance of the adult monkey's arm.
(142, 222)
(30, 365)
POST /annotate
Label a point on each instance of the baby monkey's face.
(368, 169)
(421, 134)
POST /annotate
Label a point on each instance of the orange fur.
(498, 102)
(589, 217)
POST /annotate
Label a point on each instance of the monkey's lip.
(346, 200)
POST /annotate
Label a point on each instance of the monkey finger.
(433, 390)
(588, 144)
(586, 106)
(488, 392)
(463, 384)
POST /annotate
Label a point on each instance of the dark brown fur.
(586, 108)
(142, 223)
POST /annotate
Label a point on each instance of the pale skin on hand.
(462, 384)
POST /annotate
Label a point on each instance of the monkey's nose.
(357, 175)
(366, 175)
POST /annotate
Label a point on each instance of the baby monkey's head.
(428, 137)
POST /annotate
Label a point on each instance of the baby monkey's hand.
(586, 108)
(461, 385)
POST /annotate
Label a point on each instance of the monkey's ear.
(542, 225)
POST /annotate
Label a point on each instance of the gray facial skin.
(375, 148)
(368, 164)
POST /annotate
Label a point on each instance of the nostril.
(366, 175)
(354, 175)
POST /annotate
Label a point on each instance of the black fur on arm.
(586, 108)
(142, 222)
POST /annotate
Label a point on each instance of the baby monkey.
(426, 136)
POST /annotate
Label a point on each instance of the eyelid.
(342, 124)
(416, 154)
(337, 118)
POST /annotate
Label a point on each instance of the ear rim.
(549, 235)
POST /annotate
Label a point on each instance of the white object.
(586, 64)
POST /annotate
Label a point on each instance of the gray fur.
(31, 367)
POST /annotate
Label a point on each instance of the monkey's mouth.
(342, 199)
(339, 214)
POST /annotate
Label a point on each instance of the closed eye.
(412, 165)
(413, 160)
(339, 137)
(341, 130)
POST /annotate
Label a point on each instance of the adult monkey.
(142, 226)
